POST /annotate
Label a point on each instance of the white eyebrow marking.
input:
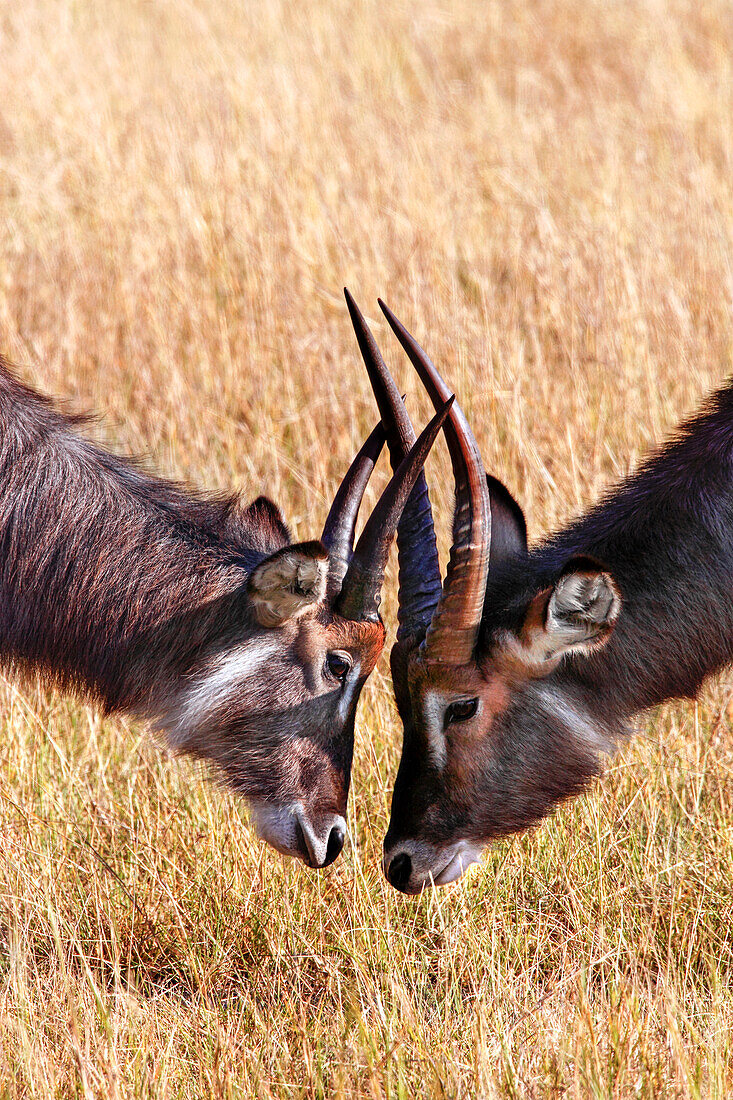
(225, 672)
(433, 706)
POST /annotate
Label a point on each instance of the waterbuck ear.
(263, 526)
(289, 583)
(576, 615)
(508, 525)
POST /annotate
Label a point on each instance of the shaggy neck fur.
(666, 535)
(113, 582)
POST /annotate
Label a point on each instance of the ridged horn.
(419, 566)
(451, 637)
(361, 590)
(340, 525)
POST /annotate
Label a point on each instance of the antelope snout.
(315, 837)
(410, 866)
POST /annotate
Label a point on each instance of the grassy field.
(543, 192)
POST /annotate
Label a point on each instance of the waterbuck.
(516, 676)
(199, 614)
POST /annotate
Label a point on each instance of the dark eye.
(338, 665)
(461, 711)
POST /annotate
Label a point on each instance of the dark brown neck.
(666, 535)
(111, 581)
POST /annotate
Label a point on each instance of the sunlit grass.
(543, 192)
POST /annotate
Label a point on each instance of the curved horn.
(361, 590)
(455, 624)
(340, 525)
(419, 566)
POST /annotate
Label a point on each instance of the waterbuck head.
(273, 701)
(493, 736)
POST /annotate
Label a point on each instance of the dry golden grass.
(543, 192)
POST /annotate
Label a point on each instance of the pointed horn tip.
(353, 307)
(350, 492)
(387, 311)
(372, 446)
(393, 320)
(431, 430)
(400, 433)
(357, 317)
(408, 471)
(435, 384)
(401, 332)
(351, 304)
(360, 592)
(359, 322)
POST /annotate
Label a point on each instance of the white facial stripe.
(555, 703)
(434, 708)
(347, 693)
(223, 674)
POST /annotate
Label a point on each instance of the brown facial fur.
(489, 683)
(129, 589)
(363, 639)
(499, 769)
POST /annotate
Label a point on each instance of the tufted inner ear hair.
(576, 615)
(288, 583)
(583, 607)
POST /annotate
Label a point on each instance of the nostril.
(336, 839)
(399, 871)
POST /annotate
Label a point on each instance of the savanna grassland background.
(543, 191)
